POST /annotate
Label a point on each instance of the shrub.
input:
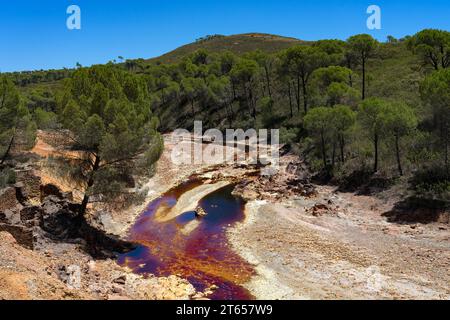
(7, 177)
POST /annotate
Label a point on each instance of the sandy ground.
(352, 254)
(64, 272)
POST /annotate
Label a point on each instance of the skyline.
(36, 36)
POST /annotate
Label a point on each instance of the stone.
(11, 217)
(8, 199)
(200, 212)
(31, 182)
(31, 216)
(122, 280)
(117, 290)
(23, 235)
(58, 218)
(50, 190)
(21, 193)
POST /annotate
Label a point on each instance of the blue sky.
(34, 33)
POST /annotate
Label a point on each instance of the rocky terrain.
(320, 243)
(305, 241)
(46, 253)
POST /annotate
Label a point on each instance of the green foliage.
(362, 47)
(334, 82)
(398, 120)
(108, 114)
(300, 62)
(17, 130)
(371, 116)
(289, 135)
(45, 119)
(432, 183)
(435, 92)
(317, 122)
(433, 47)
(7, 177)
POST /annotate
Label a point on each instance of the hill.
(238, 44)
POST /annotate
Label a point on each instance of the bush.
(7, 177)
(432, 183)
(45, 119)
(288, 135)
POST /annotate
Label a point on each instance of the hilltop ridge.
(238, 44)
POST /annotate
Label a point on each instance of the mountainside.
(238, 44)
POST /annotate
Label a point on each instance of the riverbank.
(344, 250)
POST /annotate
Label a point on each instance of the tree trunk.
(85, 201)
(268, 81)
(446, 148)
(290, 100)
(234, 90)
(333, 163)
(342, 146)
(397, 151)
(349, 66)
(350, 79)
(252, 103)
(3, 99)
(193, 108)
(305, 95)
(363, 78)
(5, 156)
(324, 152)
(375, 143)
(229, 113)
(444, 132)
(298, 94)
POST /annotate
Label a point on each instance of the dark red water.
(202, 256)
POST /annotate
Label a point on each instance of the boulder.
(23, 235)
(21, 193)
(50, 190)
(31, 182)
(122, 280)
(58, 218)
(2, 217)
(12, 217)
(8, 199)
(200, 212)
(31, 216)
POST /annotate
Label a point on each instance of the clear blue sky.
(34, 33)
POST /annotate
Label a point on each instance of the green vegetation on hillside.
(356, 107)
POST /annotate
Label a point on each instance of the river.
(193, 248)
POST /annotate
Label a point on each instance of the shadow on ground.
(417, 210)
